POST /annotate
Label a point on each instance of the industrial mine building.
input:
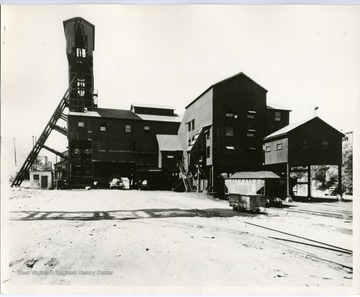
(229, 128)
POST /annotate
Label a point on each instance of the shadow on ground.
(126, 214)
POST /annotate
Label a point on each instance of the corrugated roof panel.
(254, 175)
(276, 106)
(150, 117)
(169, 142)
(152, 106)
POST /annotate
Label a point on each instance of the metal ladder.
(51, 125)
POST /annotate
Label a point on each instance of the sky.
(305, 56)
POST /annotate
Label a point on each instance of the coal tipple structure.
(229, 128)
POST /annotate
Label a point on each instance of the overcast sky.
(168, 55)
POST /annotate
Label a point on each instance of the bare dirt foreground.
(155, 238)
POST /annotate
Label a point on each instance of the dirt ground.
(167, 239)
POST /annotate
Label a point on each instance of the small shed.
(41, 179)
(255, 183)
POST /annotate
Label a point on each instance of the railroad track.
(298, 243)
(338, 215)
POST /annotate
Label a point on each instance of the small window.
(207, 134)
(229, 131)
(268, 148)
(325, 144)
(251, 114)
(189, 141)
(229, 114)
(36, 177)
(189, 126)
(208, 152)
(250, 133)
(103, 127)
(128, 128)
(81, 124)
(80, 53)
(146, 129)
(193, 124)
(230, 149)
(277, 116)
(170, 156)
(279, 146)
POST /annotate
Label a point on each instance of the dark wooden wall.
(241, 95)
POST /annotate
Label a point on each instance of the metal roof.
(117, 113)
(169, 142)
(160, 118)
(151, 106)
(276, 106)
(288, 128)
(126, 115)
(254, 175)
(222, 81)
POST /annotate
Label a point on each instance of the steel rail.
(297, 236)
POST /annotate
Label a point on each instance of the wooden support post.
(288, 197)
(340, 180)
(309, 181)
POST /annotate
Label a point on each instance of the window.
(80, 53)
(208, 152)
(250, 133)
(36, 177)
(103, 127)
(81, 86)
(305, 144)
(189, 126)
(279, 146)
(128, 128)
(229, 149)
(325, 144)
(193, 124)
(229, 131)
(146, 129)
(251, 114)
(170, 156)
(268, 148)
(81, 124)
(277, 116)
(207, 134)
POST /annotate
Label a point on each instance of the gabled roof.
(276, 107)
(284, 131)
(169, 142)
(78, 18)
(254, 175)
(222, 81)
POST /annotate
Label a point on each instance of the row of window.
(191, 125)
(103, 127)
(305, 145)
(230, 113)
(229, 131)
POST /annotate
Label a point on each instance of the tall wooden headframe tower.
(80, 44)
(79, 97)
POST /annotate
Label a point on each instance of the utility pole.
(14, 150)
(315, 109)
